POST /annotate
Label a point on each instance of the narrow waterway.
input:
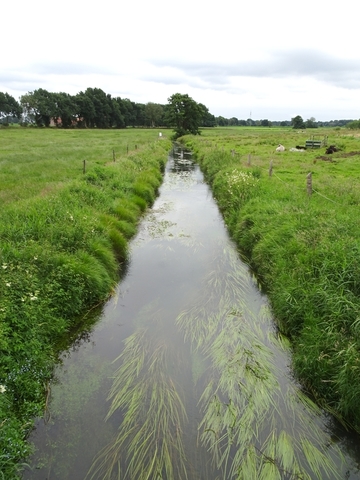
(184, 376)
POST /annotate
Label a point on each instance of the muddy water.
(183, 376)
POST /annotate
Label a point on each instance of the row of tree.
(94, 108)
(91, 108)
(296, 122)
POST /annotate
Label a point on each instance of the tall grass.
(63, 240)
(303, 249)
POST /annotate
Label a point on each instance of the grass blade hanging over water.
(149, 442)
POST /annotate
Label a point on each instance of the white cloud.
(270, 58)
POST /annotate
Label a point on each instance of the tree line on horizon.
(93, 108)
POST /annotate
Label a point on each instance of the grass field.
(63, 239)
(64, 235)
(302, 240)
(39, 161)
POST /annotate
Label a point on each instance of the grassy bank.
(64, 231)
(302, 241)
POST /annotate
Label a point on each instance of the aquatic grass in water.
(240, 397)
(149, 444)
(242, 403)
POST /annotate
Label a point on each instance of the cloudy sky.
(268, 59)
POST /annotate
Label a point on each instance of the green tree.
(265, 123)
(85, 110)
(116, 117)
(9, 107)
(222, 121)
(208, 119)
(297, 122)
(153, 114)
(311, 123)
(39, 106)
(140, 118)
(66, 109)
(102, 107)
(129, 112)
(354, 125)
(184, 115)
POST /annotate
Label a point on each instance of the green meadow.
(71, 200)
(295, 217)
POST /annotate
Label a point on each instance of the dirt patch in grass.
(349, 154)
(327, 158)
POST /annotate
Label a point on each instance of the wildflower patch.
(234, 187)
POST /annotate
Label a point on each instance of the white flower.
(2, 389)
(8, 284)
(4, 266)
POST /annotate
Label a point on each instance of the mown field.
(302, 240)
(64, 232)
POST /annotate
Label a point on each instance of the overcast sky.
(268, 59)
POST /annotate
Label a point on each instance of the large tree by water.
(184, 114)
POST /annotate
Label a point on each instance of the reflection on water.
(184, 376)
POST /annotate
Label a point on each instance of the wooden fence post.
(309, 183)
(249, 159)
(84, 166)
(271, 168)
(114, 155)
(127, 148)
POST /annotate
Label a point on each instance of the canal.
(184, 374)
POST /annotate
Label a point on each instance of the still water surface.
(184, 376)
